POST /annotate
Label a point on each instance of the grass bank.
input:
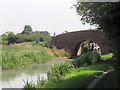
(81, 77)
(21, 55)
(109, 80)
(78, 77)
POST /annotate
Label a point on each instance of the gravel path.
(93, 83)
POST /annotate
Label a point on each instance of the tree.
(36, 35)
(22, 38)
(4, 39)
(106, 17)
(11, 38)
(27, 30)
(8, 38)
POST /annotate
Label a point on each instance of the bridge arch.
(71, 40)
(86, 46)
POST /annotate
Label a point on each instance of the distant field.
(24, 54)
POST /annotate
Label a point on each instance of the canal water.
(17, 78)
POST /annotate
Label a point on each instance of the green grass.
(78, 77)
(26, 43)
(82, 76)
(109, 80)
(25, 54)
(16, 57)
(107, 56)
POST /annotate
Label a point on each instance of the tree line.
(27, 35)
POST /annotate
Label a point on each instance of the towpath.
(93, 83)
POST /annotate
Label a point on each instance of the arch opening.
(87, 46)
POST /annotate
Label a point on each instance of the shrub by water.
(88, 58)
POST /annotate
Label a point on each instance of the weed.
(28, 85)
(21, 55)
(88, 58)
(58, 70)
(40, 83)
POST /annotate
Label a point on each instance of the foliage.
(25, 54)
(76, 78)
(27, 30)
(81, 77)
(34, 36)
(40, 83)
(8, 38)
(106, 16)
(107, 56)
(58, 70)
(11, 38)
(96, 13)
(38, 35)
(23, 57)
(4, 39)
(87, 58)
(27, 35)
(29, 85)
(23, 38)
(54, 75)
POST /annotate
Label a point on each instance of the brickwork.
(72, 40)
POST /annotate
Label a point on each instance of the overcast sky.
(48, 15)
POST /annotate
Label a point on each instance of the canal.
(16, 78)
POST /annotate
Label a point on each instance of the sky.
(54, 16)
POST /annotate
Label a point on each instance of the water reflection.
(16, 78)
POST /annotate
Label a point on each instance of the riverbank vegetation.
(24, 54)
(26, 48)
(70, 76)
(88, 58)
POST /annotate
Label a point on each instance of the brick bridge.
(72, 40)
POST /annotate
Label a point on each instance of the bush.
(58, 70)
(54, 75)
(88, 58)
(95, 57)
